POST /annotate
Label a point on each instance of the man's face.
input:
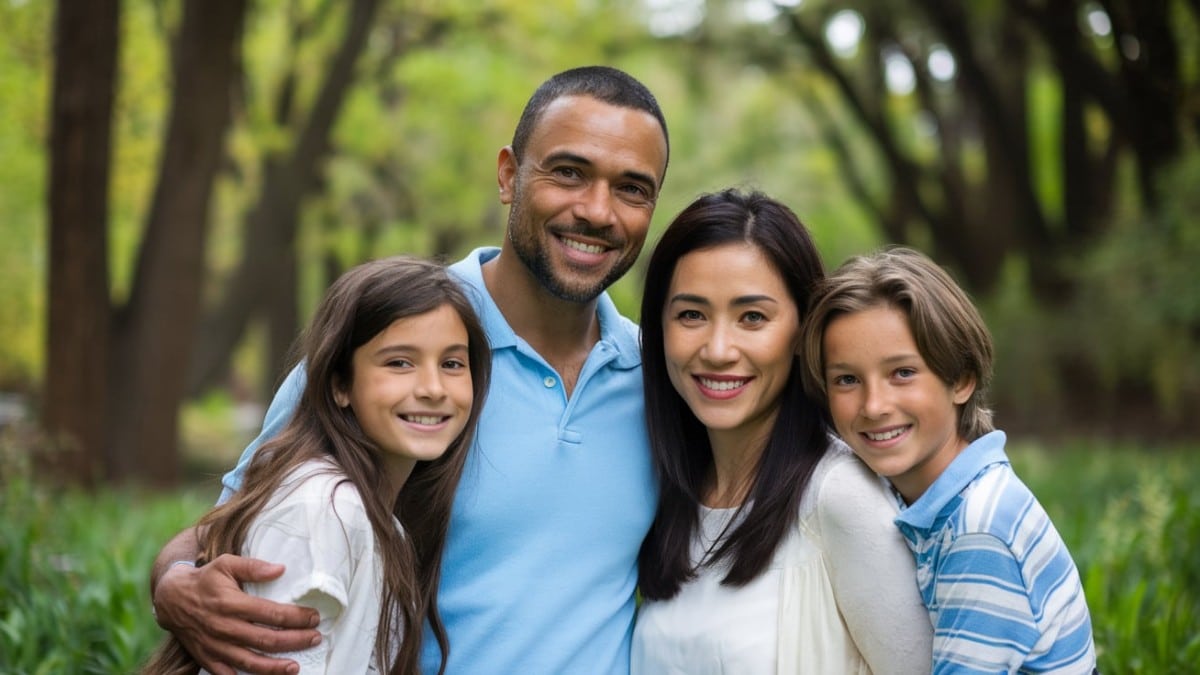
(582, 197)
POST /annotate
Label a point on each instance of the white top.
(840, 595)
(316, 525)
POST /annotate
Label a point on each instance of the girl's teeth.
(427, 420)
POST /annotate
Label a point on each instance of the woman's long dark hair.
(358, 306)
(679, 442)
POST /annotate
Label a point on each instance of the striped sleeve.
(984, 621)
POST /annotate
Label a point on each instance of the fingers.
(222, 627)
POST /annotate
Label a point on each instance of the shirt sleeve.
(872, 571)
(279, 413)
(323, 546)
(983, 621)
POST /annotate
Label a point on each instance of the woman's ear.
(340, 395)
(963, 389)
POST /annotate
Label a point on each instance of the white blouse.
(840, 595)
(316, 525)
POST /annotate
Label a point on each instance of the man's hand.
(225, 629)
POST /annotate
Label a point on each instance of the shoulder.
(999, 504)
(314, 492)
(845, 494)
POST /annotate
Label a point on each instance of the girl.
(354, 495)
(772, 550)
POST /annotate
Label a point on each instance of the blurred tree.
(112, 382)
(995, 132)
(265, 281)
(76, 382)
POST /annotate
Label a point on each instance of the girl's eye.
(398, 363)
(842, 380)
(906, 373)
(690, 315)
(454, 364)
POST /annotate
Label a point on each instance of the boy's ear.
(963, 389)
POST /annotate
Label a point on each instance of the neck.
(735, 465)
(561, 331)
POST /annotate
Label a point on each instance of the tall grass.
(74, 566)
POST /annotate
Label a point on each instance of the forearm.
(183, 546)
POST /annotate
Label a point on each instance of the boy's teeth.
(428, 420)
(884, 436)
(723, 385)
(580, 246)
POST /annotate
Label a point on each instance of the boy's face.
(893, 411)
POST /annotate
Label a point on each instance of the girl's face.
(730, 332)
(411, 391)
(886, 403)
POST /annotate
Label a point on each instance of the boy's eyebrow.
(897, 358)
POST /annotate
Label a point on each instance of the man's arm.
(222, 627)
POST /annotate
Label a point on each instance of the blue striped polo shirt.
(1002, 590)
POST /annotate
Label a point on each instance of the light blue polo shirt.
(541, 561)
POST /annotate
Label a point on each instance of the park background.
(180, 180)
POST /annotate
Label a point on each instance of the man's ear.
(963, 389)
(506, 173)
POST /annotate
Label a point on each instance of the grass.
(73, 566)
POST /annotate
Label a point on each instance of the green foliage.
(74, 569)
(1131, 518)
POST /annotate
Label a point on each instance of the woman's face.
(730, 332)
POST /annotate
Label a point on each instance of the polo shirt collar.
(984, 451)
(616, 332)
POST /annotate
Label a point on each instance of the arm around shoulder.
(872, 570)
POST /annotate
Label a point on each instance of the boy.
(903, 360)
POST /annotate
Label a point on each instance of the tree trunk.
(154, 332)
(272, 224)
(86, 39)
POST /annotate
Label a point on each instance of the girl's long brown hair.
(358, 306)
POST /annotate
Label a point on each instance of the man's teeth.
(428, 420)
(580, 246)
(721, 385)
(885, 435)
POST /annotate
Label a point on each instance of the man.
(541, 561)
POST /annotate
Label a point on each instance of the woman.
(354, 494)
(773, 549)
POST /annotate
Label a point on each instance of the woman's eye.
(754, 317)
(690, 315)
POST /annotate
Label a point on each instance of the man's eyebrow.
(571, 157)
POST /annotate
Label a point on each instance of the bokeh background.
(180, 180)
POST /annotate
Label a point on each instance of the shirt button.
(549, 382)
